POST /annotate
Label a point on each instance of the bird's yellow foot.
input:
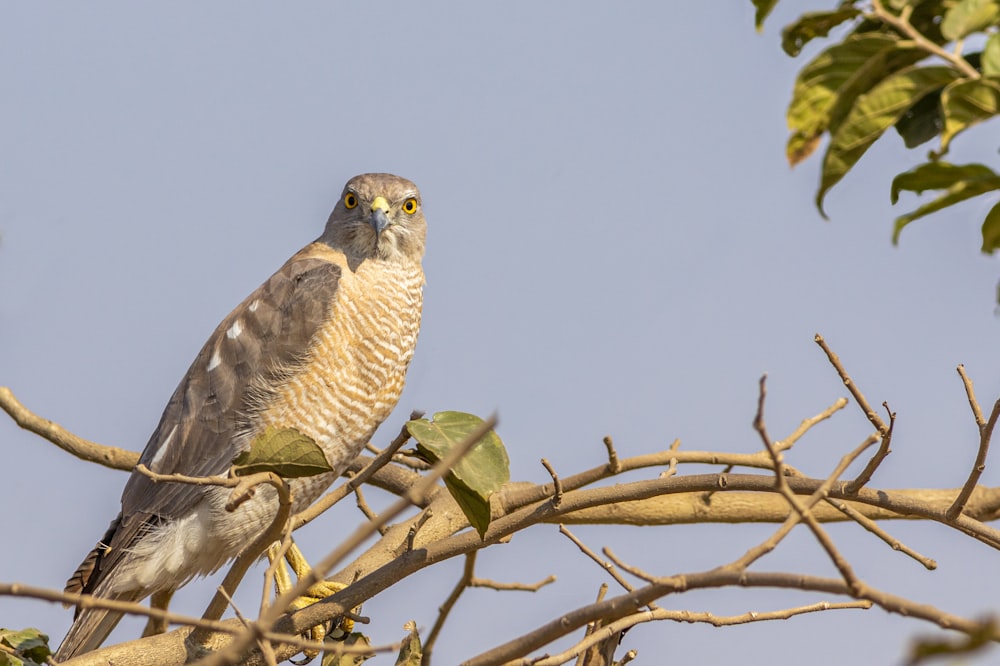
(316, 592)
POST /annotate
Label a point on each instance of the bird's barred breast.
(357, 365)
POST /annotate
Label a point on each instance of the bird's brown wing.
(267, 336)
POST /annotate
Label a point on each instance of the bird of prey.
(321, 347)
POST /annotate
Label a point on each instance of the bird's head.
(379, 216)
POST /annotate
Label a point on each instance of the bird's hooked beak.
(380, 215)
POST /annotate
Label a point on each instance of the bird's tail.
(91, 627)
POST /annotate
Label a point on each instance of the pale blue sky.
(616, 246)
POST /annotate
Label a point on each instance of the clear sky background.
(616, 246)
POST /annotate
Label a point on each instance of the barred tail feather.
(91, 627)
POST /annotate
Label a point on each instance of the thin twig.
(804, 511)
(604, 564)
(859, 397)
(977, 413)
(880, 454)
(449, 603)
(591, 627)
(873, 527)
(614, 466)
(109, 456)
(903, 25)
(615, 628)
(411, 535)
(365, 509)
(265, 647)
(558, 494)
(808, 423)
(488, 584)
(985, 434)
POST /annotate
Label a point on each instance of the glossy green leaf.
(480, 473)
(763, 10)
(872, 114)
(959, 182)
(821, 84)
(990, 59)
(968, 16)
(991, 230)
(284, 451)
(811, 25)
(965, 103)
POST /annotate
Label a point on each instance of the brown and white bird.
(321, 347)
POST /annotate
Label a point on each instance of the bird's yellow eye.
(350, 200)
(410, 206)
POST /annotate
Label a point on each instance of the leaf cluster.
(900, 64)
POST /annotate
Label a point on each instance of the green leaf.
(991, 230)
(872, 114)
(31, 646)
(284, 451)
(480, 473)
(937, 176)
(965, 103)
(764, 8)
(922, 121)
(811, 25)
(959, 182)
(827, 87)
(969, 16)
(990, 59)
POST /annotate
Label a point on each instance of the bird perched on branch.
(322, 347)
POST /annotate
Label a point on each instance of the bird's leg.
(316, 592)
(154, 625)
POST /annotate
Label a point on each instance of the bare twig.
(883, 450)
(808, 423)
(365, 509)
(424, 516)
(558, 495)
(613, 465)
(660, 614)
(977, 413)
(463, 583)
(859, 398)
(109, 456)
(604, 564)
(613, 609)
(985, 434)
(265, 647)
(873, 527)
(489, 584)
